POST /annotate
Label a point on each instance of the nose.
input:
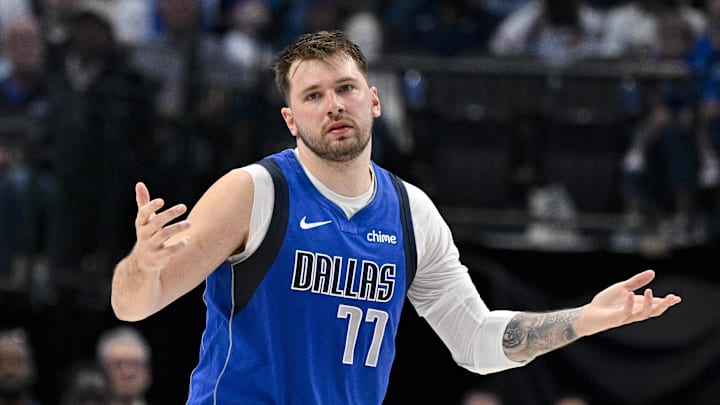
(335, 105)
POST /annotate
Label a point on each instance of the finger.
(147, 212)
(639, 280)
(169, 231)
(675, 299)
(662, 304)
(142, 195)
(163, 218)
(173, 248)
(647, 307)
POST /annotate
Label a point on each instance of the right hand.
(154, 247)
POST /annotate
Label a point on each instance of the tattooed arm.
(529, 335)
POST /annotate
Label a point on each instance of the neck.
(350, 179)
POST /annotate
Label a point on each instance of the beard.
(335, 149)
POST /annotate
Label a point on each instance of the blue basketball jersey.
(311, 316)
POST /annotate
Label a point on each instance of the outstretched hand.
(153, 248)
(619, 305)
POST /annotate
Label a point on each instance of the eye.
(344, 88)
(312, 96)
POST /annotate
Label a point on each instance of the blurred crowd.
(96, 95)
(120, 372)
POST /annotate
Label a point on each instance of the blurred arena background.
(569, 144)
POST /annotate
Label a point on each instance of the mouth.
(339, 127)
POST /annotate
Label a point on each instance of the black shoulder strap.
(408, 231)
(249, 274)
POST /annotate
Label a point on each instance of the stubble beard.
(330, 148)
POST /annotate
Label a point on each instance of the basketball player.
(308, 255)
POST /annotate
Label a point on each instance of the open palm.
(619, 305)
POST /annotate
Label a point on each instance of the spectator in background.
(392, 142)
(556, 31)
(364, 26)
(248, 44)
(139, 21)
(659, 167)
(704, 64)
(99, 124)
(55, 17)
(87, 384)
(293, 17)
(245, 42)
(17, 368)
(632, 28)
(447, 28)
(396, 16)
(124, 354)
(133, 21)
(11, 9)
(493, 12)
(24, 182)
(197, 91)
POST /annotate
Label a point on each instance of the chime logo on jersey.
(350, 278)
(379, 237)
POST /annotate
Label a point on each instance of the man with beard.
(308, 255)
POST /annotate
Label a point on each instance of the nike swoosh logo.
(311, 225)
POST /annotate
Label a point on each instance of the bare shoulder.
(236, 179)
(227, 203)
(234, 182)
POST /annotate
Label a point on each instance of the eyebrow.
(341, 80)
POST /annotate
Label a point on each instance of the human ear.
(287, 115)
(375, 99)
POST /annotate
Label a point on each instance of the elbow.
(123, 313)
(467, 361)
(479, 360)
(128, 317)
(488, 369)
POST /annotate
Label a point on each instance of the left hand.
(618, 305)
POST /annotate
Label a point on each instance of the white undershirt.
(442, 291)
(349, 205)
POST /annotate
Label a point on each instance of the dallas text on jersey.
(322, 274)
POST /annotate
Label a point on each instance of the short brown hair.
(320, 45)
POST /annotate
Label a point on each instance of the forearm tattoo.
(529, 335)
